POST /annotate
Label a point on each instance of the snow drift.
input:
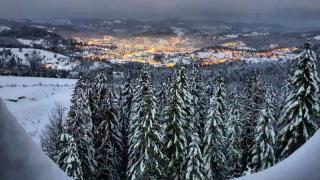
(20, 157)
(302, 164)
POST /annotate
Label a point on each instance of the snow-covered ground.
(20, 157)
(302, 164)
(30, 42)
(38, 97)
(4, 28)
(317, 37)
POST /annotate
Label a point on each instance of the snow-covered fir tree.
(175, 141)
(214, 157)
(187, 101)
(264, 140)
(252, 100)
(146, 157)
(79, 125)
(161, 96)
(199, 101)
(234, 134)
(51, 138)
(297, 122)
(126, 103)
(195, 163)
(68, 158)
(109, 131)
(98, 90)
(106, 128)
(220, 96)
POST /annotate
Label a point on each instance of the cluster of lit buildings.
(133, 48)
(218, 56)
(172, 50)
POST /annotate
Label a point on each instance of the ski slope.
(38, 97)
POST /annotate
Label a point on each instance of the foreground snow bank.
(20, 157)
(304, 164)
(32, 99)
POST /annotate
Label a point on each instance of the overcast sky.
(289, 12)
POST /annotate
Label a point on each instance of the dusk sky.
(287, 12)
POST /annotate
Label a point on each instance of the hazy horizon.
(291, 13)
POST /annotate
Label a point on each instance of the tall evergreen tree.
(79, 125)
(252, 100)
(68, 157)
(98, 91)
(234, 134)
(146, 157)
(175, 141)
(214, 157)
(109, 131)
(199, 101)
(264, 142)
(107, 128)
(51, 138)
(162, 95)
(296, 121)
(126, 103)
(186, 97)
(220, 96)
(195, 163)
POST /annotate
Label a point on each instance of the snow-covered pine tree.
(220, 96)
(79, 86)
(68, 158)
(106, 128)
(175, 141)
(252, 100)
(199, 102)
(126, 103)
(161, 96)
(195, 162)
(51, 137)
(263, 151)
(296, 120)
(79, 125)
(109, 134)
(186, 97)
(99, 89)
(234, 134)
(146, 157)
(214, 157)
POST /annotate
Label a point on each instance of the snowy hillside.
(32, 99)
(50, 59)
(4, 28)
(29, 42)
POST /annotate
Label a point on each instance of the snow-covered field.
(317, 37)
(38, 97)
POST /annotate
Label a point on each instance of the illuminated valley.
(168, 51)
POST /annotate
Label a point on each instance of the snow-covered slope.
(20, 157)
(4, 28)
(30, 42)
(50, 59)
(37, 99)
(303, 164)
(317, 37)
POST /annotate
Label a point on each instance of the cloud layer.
(277, 11)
